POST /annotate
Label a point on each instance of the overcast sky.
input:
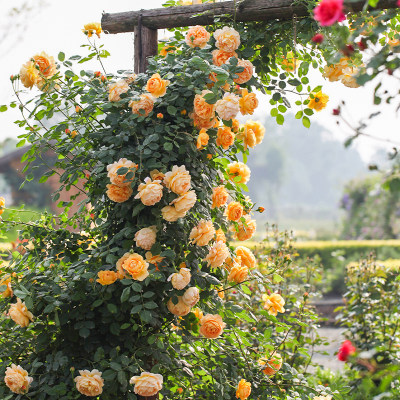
(55, 26)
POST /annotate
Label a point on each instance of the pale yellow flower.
(89, 383)
(121, 180)
(20, 314)
(116, 89)
(180, 279)
(227, 39)
(184, 202)
(178, 180)
(228, 107)
(191, 296)
(218, 253)
(146, 237)
(147, 384)
(274, 303)
(17, 379)
(150, 192)
(202, 233)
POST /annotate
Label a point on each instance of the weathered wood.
(146, 45)
(251, 10)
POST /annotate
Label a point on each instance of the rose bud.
(346, 350)
(318, 38)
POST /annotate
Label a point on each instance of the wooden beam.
(250, 10)
(146, 45)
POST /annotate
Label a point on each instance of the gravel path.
(335, 338)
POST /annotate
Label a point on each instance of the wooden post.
(146, 45)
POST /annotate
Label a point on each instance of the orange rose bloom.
(271, 363)
(171, 214)
(154, 260)
(7, 292)
(227, 39)
(247, 258)
(29, 75)
(220, 236)
(274, 303)
(238, 273)
(178, 180)
(245, 75)
(150, 192)
(221, 57)
(235, 125)
(257, 128)
(218, 253)
(146, 104)
(212, 326)
(202, 108)
(107, 277)
(156, 175)
(202, 123)
(167, 49)
(198, 313)
(184, 202)
(197, 36)
(121, 180)
(202, 233)
(247, 136)
(180, 309)
(20, 314)
(89, 383)
(246, 230)
(289, 63)
(225, 137)
(234, 211)
(92, 27)
(17, 379)
(202, 139)
(147, 384)
(46, 64)
(116, 89)
(319, 101)
(157, 86)
(248, 102)
(119, 194)
(243, 390)
(237, 168)
(136, 267)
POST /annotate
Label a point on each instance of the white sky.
(57, 25)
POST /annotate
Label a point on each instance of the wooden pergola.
(145, 23)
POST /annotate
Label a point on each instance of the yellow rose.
(197, 36)
(185, 202)
(178, 180)
(2, 205)
(180, 309)
(225, 137)
(170, 213)
(236, 169)
(89, 383)
(191, 296)
(218, 253)
(29, 75)
(271, 364)
(146, 104)
(243, 390)
(91, 28)
(349, 77)
(245, 75)
(212, 326)
(202, 139)
(120, 271)
(157, 86)
(136, 267)
(7, 292)
(154, 260)
(121, 180)
(257, 128)
(227, 107)
(318, 102)
(220, 236)
(202, 233)
(248, 137)
(198, 313)
(147, 384)
(246, 230)
(219, 197)
(201, 108)
(20, 314)
(107, 277)
(150, 192)
(227, 39)
(248, 102)
(119, 194)
(202, 123)
(46, 64)
(156, 175)
(146, 237)
(246, 256)
(220, 57)
(167, 49)
(274, 303)
(180, 279)
(238, 273)
(234, 211)
(116, 89)
(17, 379)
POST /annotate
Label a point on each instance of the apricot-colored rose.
(46, 64)
(154, 260)
(271, 364)
(202, 139)
(243, 390)
(257, 128)
(150, 192)
(220, 236)
(147, 384)
(167, 49)
(274, 303)
(17, 379)
(202, 233)
(349, 77)
(219, 197)
(197, 36)
(225, 137)
(202, 123)
(91, 28)
(119, 194)
(146, 237)
(20, 314)
(121, 180)
(120, 271)
(170, 213)
(247, 136)
(89, 383)
(246, 256)
(2, 205)
(131, 78)
(180, 279)
(234, 211)
(246, 229)
(289, 62)
(227, 107)
(107, 277)
(185, 202)
(191, 296)
(201, 107)
(238, 273)
(220, 57)
(239, 169)
(180, 309)
(178, 180)
(246, 74)
(7, 292)
(248, 102)
(136, 267)
(198, 313)
(116, 89)
(156, 175)
(227, 39)
(144, 106)
(218, 253)
(29, 75)
(157, 86)
(212, 326)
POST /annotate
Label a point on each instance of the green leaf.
(168, 146)
(3, 108)
(299, 114)
(306, 122)
(171, 110)
(61, 56)
(125, 294)
(280, 119)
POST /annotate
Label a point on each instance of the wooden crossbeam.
(249, 10)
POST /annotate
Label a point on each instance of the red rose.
(346, 350)
(318, 38)
(328, 12)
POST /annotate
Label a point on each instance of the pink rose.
(328, 12)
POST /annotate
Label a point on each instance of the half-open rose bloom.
(121, 180)
(191, 296)
(180, 279)
(274, 303)
(147, 384)
(227, 39)
(144, 106)
(237, 168)
(185, 202)
(212, 326)
(146, 237)
(247, 258)
(202, 123)
(29, 75)
(201, 108)
(17, 379)
(197, 36)
(150, 192)
(202, 233)
(328, 12)
(136, 267)
(248, 102)
(202, 139)
(116, 89)
(157, 86)
(246, 229)
(271, 364)
(238, 273)
(346, 350)
(171, 214)
(180, 309)
(178, 180)
(107, 277)
(220, 57)
(20, 314)
(257, 128)
(247, 136)
(225, 137)
(218, 253)
(246, 74)
(243, 390)
(227, 107)
(220, 236)
(219, 197)
(234, 211)
(119, 194)
(7, 292)
(89, 383)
